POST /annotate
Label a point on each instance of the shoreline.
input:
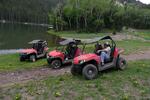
(9, 51)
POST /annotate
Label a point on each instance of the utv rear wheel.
(121, 64)
(90, 72)
(45, 56)
(55, 64)
(32, 58)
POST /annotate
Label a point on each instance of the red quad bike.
(39, 50)
(65, 53)
(90, 64)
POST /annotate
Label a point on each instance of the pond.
(17, 36)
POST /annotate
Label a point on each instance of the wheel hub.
(90, 72)
(56, 65)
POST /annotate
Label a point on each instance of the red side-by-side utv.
(64, 53)
(39, 50)
(90, 64)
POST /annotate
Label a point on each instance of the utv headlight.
(81, 61)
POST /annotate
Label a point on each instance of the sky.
(145, 1)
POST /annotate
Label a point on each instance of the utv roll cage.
(96, 40)
(38, 45)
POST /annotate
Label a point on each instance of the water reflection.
(15, 36)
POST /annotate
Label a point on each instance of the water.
(17, 36)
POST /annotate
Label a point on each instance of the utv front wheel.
(55, 64)
(32, 58)
(121, 64)
(90, 72)
(22, 59)
(73, 71)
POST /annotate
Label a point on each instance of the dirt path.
(37, 74)
(138, 56)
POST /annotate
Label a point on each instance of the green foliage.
(26, 10)
(94, 15)
(17, 97)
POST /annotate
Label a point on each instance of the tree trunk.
(85, 22)
(56, 25)
(77, 23)
(69, 20)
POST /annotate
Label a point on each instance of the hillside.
(136, 3)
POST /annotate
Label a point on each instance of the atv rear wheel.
(32, 58)
(55, 64)
(121, 64)
(90, 72)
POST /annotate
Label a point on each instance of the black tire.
(90, 72)
(55, 64)
(73, 71)
(45, 56)
(32, 58)
(49, 61)
(121, 63)
(22, 59)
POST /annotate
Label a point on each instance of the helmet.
(106, 44)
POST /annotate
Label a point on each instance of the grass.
(130, 84)
(145, 35)
(73, 34)
(11, 63)
(133, 46)
(141, 33)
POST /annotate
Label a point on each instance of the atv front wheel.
(121, 64)
(32, 58)
(90, 72)
(55, 64)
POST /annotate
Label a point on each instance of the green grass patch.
(11, 62)
(130, 84)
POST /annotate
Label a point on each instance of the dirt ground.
(11, 78)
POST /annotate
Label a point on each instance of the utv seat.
(98, 47)
(111, 56)
(40, 48)
(70, 51)
(73, 51)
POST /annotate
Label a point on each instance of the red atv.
(39, 50)
(90, 64)
(64, 53)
